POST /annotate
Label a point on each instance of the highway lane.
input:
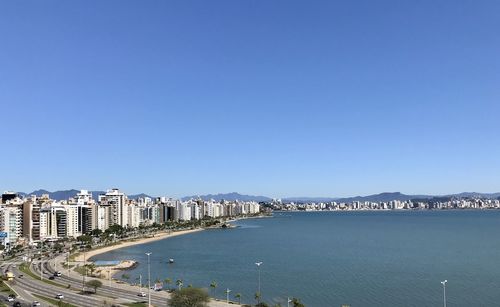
(25, 297)
(124, 292)
(128, 294)
(157, 298)
(21, 296)
(41, 288)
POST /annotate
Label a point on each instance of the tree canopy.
(94, 283)
(189, 297)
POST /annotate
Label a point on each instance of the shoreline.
(157, 237)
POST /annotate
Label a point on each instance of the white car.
(10, 299)
(35, 303)
(59, 296)
(141, 294)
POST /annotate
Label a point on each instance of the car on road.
(57, 274)
(17, 304)
(59, 296)
(141, 294)
(20, 276)
(11, 298)
(51, 277)
(35, 303)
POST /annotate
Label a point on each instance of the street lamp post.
(149, 281)
(227, 295)
(67, 261)
(258, 268)
(444, 291)
(84, 272)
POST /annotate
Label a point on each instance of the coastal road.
(25, 298)
(31, 285)
(122, 292)
(110, 293)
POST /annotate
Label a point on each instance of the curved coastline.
(157, 237)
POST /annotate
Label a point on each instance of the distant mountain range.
(230, 196)
(382, 197)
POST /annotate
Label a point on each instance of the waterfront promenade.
(29, 288)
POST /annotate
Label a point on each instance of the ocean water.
(364, 259)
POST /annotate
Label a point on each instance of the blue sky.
(276, 98)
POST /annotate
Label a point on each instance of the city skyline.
(386, 195)
(285, 99)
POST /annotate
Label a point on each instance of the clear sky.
(275, 98)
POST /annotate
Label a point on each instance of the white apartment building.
(11, 223)
(73, 222)
(117, 202)
(134, 215)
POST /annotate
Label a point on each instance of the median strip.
(26, 270)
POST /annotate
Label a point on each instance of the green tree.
(238, 297)
(58, 247)
(96, 232)
(115, 229)
(179, 283)
(189, 297)
(168, 281)
(213, 285)
(296, 303)
(94, 283)
(262, 304)
(257, 297)
(91, 268)
(126, 276)
(84, 239)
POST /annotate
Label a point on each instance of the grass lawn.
(80, 270)
(5, 289)
(53, 301)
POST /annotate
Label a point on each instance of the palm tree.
(238, 297)
(257, 297)
(168, 281)
(179, 283)
(213, 285)
(91, 267)
(296, 302)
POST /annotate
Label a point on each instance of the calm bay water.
(365, 259)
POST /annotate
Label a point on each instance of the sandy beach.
(158, 236)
